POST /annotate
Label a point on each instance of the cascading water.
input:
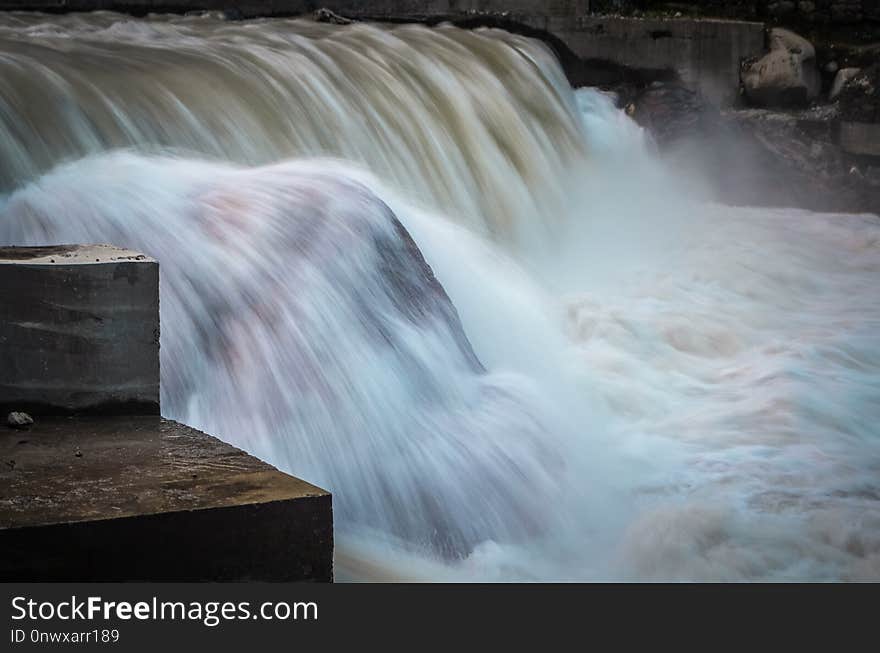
(593, 372)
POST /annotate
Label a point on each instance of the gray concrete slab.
(145, 498)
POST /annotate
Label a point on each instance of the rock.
(783, 8)
(17, 420)
(846, 12)
(792, 159)
(327, 16)
(831, 67)
(671, 112)
(785, 77)
(840, 80)
(806, 7)
(783, 39)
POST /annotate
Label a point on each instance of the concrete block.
(79, 330)
(862, 138)
(147, 499)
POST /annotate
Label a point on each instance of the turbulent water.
(413, 266)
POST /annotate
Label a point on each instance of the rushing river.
(413, 266)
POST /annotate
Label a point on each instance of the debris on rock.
(327, 16)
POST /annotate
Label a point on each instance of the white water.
(673, 389)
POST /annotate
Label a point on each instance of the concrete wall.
(705, 53)
(79, 330)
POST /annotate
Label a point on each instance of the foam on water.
(659, 387)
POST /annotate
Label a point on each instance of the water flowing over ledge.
(414, 105)
(616, 379)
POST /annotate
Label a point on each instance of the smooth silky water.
(413, 266)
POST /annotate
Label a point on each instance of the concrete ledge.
(862, 138)
(79, 330)
(144, 498)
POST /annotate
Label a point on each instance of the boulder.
(840, 80)
(786, 76)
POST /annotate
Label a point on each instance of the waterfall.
(418, 107)
(413, 266)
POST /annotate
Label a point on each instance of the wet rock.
(859, 98)
(671, 112)
(787, 76)
(840, 80)
(326, 16)
(18, 420)
(796, 160)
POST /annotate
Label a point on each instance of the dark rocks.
(859, 98)
(806, 7)
(783, 8)
(672, 112)
(846, 12)
(761, 157)
(18, 420)
(786, 76)
(324, 15)
(840, 80)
